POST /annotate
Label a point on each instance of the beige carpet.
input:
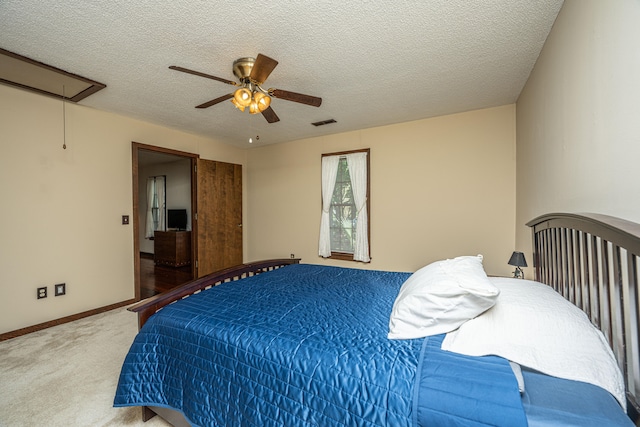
(67, 375)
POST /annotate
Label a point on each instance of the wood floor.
(155, 279)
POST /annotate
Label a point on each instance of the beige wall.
(440, 188)
(578, 118)
(60, 219)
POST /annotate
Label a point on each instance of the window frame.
(345, 256)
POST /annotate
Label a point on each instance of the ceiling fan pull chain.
(64, 121)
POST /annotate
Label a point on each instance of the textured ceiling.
(372, 62)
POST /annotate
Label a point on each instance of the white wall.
(60, 219)
(578, 118)
(440, 188)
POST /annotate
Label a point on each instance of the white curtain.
(357, 163)
(329, 173)
(160, 188)
(155, 191)
(151, 192)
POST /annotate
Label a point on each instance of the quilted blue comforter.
(301, 345)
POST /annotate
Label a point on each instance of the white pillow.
(440, 297)
(534, 326)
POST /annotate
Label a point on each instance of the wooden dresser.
(172, 248)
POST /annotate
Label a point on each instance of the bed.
(283, 343)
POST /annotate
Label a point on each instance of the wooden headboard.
(592, 260)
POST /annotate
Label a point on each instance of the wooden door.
(219, 221)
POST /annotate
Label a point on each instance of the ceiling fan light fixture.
(242, 97)
(252, 73)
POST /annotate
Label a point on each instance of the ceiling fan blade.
(314, 101)
(270, 115)
(262, 67)
(215, 101)
(198, 73)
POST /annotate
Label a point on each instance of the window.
(342, 214)
(344, 227)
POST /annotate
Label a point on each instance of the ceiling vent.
(324, 122)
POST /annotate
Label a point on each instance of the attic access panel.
(25, 73)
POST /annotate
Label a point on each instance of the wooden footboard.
(592, 260)
(149, 306)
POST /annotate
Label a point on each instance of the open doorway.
(164, 247)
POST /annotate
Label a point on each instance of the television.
(176, 219)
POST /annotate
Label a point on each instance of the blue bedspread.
(301, 345)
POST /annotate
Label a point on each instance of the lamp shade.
(263, 101)
(517, 259)
(242, 97)
(238, 106)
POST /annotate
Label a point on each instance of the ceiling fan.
(252, 74)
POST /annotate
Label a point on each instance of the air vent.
(324, 122)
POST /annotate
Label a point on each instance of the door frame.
(136, 147)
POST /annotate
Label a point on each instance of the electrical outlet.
(60, 289)
(42, 292)
(293, 256)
